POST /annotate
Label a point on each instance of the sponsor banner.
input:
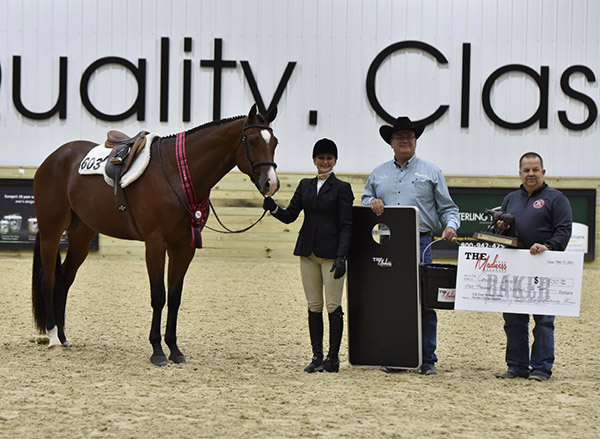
(580, 238)
(515, 281)
(18, 221)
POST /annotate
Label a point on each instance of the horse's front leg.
(155, 263)
(179, 261)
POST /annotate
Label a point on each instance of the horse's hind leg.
(179, 261)
(54, 215)
(79, 236)
(46, 267)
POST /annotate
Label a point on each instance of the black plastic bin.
(438, 284)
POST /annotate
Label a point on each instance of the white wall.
(333, 43)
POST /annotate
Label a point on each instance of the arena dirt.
(243, 329)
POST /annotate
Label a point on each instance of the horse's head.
(255, 157)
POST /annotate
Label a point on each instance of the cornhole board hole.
(383, 294)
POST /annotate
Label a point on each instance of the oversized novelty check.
(509, 280)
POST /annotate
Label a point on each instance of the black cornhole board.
(384, 313)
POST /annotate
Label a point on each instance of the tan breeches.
(316, 279)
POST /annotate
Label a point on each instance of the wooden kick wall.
(238, 205)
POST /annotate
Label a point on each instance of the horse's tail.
(37, 282)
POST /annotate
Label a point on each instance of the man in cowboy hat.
(408, 180)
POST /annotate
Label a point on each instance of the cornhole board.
(383, 293)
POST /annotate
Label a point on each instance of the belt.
(426, 234)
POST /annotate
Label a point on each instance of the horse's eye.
(253, 143)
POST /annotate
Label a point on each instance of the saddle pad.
(95, 161)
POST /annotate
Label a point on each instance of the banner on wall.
(18, 223)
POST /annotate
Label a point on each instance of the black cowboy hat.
(325, 146)
(402, 123)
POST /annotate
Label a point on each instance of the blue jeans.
(428, 315)
(516, 327)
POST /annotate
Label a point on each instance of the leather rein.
(201, 221)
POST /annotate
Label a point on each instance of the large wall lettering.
(218, 63)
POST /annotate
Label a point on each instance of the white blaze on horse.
(166, 206)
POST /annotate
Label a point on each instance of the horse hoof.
(178, 359)
(159, 360)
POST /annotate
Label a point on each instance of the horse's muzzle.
(268, 182)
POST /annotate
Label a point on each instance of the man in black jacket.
(323, 244)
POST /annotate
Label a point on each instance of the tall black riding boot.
(336, 328)
(315, 327)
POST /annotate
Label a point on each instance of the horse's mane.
(208, 125)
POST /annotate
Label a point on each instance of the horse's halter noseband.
(255, 165)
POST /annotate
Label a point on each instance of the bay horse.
(83, 205)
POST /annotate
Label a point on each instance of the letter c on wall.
(441, 59)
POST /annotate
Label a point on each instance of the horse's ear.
(252, 112)
(271, 114)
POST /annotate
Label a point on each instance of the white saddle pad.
(95, 161)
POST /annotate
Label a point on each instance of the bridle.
(254, 165)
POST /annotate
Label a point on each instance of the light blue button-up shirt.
(416, 183)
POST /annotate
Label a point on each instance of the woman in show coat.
(323, 244)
